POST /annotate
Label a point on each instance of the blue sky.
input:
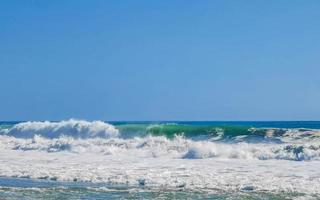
(160, 60)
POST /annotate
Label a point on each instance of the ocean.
(78, 159)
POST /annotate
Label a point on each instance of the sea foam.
(77, 150)
(162, 147)
(72, 128)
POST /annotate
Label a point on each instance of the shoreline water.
(17, 188)
(93, 160)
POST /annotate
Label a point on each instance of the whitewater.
(198, 158)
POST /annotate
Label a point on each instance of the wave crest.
(72, 128)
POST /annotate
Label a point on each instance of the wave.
(73, 128)
(163, 140)
(86, 129)
(219, 133)
(159, 146)
(162, 156)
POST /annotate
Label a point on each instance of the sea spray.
(164, 156)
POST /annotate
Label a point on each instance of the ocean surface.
(77, 159)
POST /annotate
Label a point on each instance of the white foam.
(91, 151)
(162, 172)
(160, 146)
(73, 128)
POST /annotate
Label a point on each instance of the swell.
(170, 130)
(218, 133)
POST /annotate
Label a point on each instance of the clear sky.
(160, 60)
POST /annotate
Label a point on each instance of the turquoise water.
(77, 159)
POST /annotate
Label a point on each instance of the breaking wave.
(163, 140)
(86, 129)
(163, 156)
(159, 146)
(72, 128)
